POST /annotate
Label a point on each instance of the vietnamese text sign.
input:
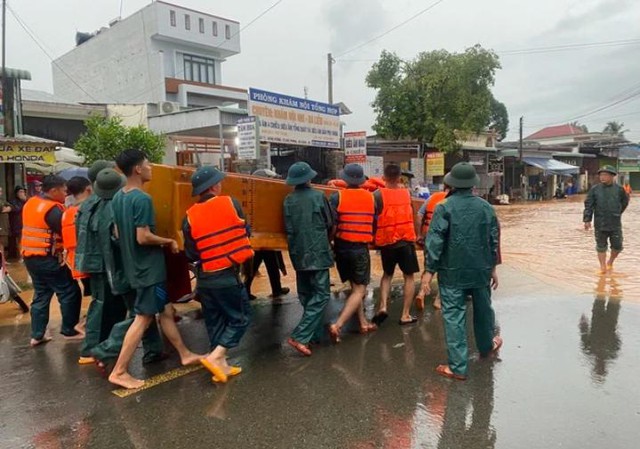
(247, 138)
(435, 164)
(17, 152)
(296, 121)
(355, 147)
(496, 166)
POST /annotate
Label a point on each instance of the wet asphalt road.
(566, 377)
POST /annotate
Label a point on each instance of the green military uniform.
(605, 205)
(96, 252)
(308, 222)
(462, 247)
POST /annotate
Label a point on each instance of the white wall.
(115, 66)
(131, 114)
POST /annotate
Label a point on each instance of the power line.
(549, 49)
(415, 16)
(33, 37)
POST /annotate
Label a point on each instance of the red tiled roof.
(555, 131)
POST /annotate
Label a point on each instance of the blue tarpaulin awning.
(551, 166)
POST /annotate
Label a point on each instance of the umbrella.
(74, 171)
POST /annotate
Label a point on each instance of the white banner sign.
(296, 121)
(355, 147)
(248, 138)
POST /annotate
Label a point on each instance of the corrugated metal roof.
(29, 139)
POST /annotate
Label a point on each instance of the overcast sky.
(285, 51)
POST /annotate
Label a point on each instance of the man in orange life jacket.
(354, 214)
(425, 214)
(396, 237)
(219, 247)
(42, 252)
(80, 188)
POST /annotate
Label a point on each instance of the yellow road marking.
(158, 380)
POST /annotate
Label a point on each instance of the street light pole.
(4, 50)
(330, 62)
(520, 141)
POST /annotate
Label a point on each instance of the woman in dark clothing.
(15, 216)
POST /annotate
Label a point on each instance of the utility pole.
(4, 50)
(330, 62)
(520, 141)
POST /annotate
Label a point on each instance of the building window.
(172, 18)
(227, 31)
(197, 68)
(215, 28)
(201, 25)
(187, 21)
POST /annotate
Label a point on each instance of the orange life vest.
(38, 239)
(395, 223)
(432, 202)
(219, 233)
(338, 183)
(356, 212)
(69, 240)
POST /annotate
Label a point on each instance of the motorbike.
(9, 290)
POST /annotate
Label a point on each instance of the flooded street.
(548, 241)
(563, 379)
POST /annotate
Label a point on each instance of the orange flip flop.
(217, 372)
(86, 360)
(233, 371)
(445, 371)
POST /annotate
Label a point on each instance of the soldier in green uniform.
(604, 205)
(112, 292)
(462, 247)
(308, 224)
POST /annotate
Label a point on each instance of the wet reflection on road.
(547, 239)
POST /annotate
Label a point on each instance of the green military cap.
(204, 178)
(462, 176)
(300, 173)
(608, 169)
(107, 183)
(97, 167)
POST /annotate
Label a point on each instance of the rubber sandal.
(368, 329)
(379, 318)
(216, 371)
(301, 348)
(445, 371)
(413, 320)
(86, 360)
(233, 371)
(334, 333)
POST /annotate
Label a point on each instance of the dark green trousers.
(110, 348)
(454, 314)
(314, 291)
(104, 312)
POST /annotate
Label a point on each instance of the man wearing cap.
(308, 224)
(604, 205)
(219, 248)
(462, 247)
(272, 259)
(113, 303)
(395, 237)
(37, 189)
(354, 214)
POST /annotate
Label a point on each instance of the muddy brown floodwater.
(548, 241)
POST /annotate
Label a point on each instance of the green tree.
(577, 124)
(107, 137)
(615, 129)
(499, 119)
(436, 95)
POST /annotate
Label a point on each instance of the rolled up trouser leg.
(227, 313)
(454, 314)
(484, 319)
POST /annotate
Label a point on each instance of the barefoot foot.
(34, 342)
(191, 359)
(126, 380)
